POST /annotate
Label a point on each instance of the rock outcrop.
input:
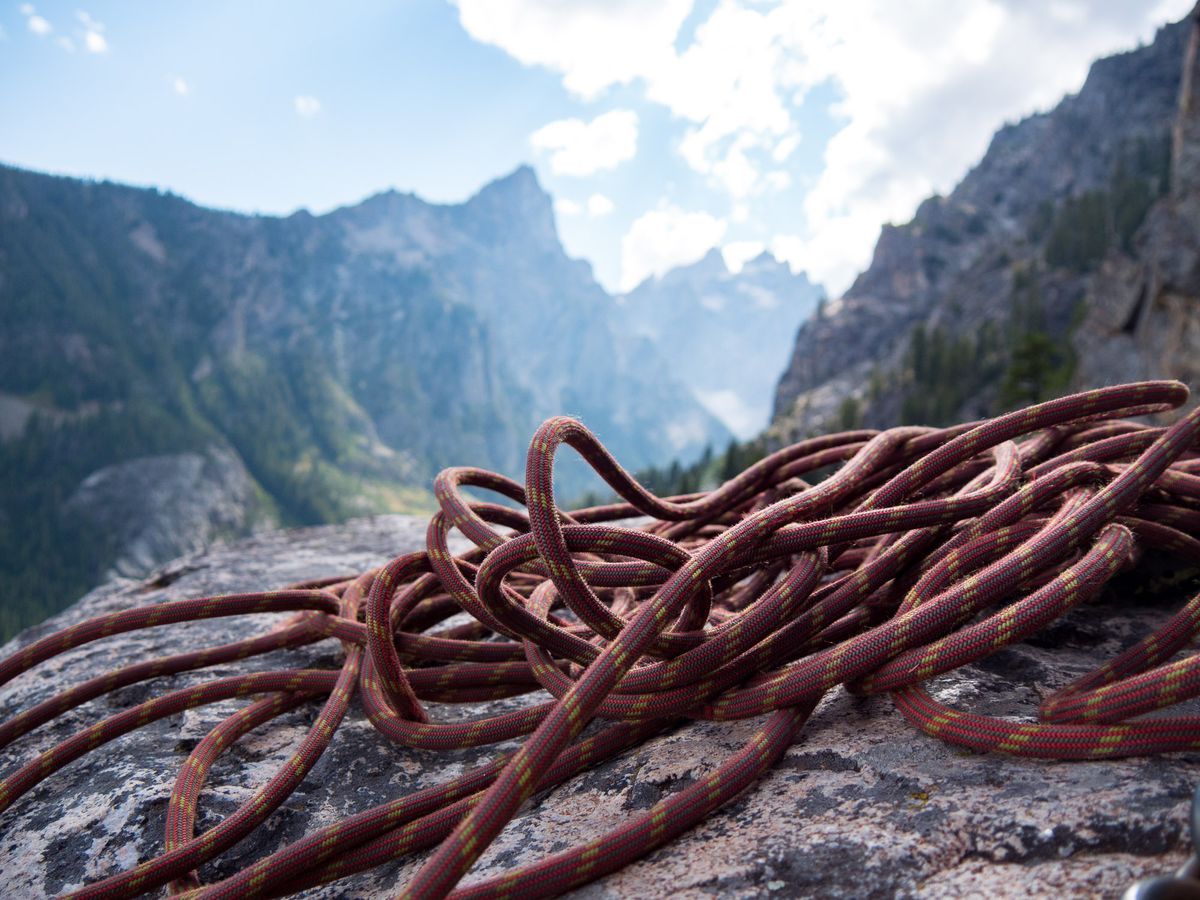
(862, 805)
(1143, 313)
(156, 508)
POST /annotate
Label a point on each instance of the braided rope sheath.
(924, 550)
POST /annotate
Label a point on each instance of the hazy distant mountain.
(1067, 257)
(301, 369)
(550, 323)
(728, 336)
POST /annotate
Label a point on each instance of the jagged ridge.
(1005, 260)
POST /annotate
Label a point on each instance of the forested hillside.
(214, 372)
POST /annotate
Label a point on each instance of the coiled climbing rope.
(870, 560)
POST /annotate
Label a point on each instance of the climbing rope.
(870, 560)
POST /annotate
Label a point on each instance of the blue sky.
(663, 129)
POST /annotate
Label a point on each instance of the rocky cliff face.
(336, 361)
(553, 335)
(155, 508)
(727, 335)
(1143, 313)
(863, 805)
(955, 305)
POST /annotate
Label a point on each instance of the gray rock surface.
(1143, 318)
(862, 806)
(157, 508)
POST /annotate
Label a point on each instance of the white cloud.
(594, 43)
(180, 86)
(743, 420)
(564, 206)
(306, 106)
(830, 254)
(778, 180)
(90, 34)
(727, 85)
(738, 253)
(734, 171)
(785, 148)
(599, 205)
(36, 23)
(663, 238)
(577, 147)
(93, 33)
(920, 89)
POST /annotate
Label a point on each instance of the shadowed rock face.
(1143, 318)
(159, 507)
(862, 806)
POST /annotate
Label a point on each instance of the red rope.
(925, 550)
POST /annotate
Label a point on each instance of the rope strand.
(925, 550)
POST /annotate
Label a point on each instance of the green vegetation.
(1003, 367)
(1040, 365)
(738, 456)
(1080, 232)
(1025, 362)
(708, 472)
(849, 414)
(113, 352)
(943, 371)
(48, 558)
(39, 576)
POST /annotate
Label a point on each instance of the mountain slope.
(1143, 314)
(727, 335)
(331, 364)
(971, 306)
(552, 325)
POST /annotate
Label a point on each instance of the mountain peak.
(521, 182)
(516, 199)
(764, 262)
(710, 265)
